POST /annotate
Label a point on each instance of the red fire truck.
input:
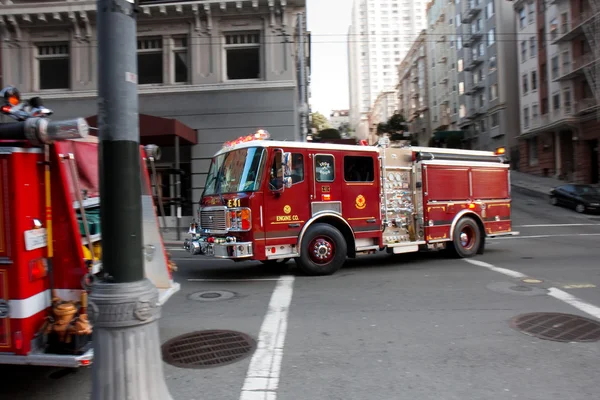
(50, 243)
(321, 203)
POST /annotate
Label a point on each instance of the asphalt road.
(409, 327)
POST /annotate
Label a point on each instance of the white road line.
(544, 236)
(232, 280)
(262, 378)
(509, 272)
(575, 302)
(554, 292)
(552, 225)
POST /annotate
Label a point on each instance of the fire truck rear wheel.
(323, 250)
(467, 238)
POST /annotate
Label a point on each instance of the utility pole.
(124, 305)
(302, 83)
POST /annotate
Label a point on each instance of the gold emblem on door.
(360, 203)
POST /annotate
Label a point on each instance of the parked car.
(582, 198)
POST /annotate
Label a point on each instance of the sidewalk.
(170, 238)
(533, 185)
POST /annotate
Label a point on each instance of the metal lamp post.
(123, 306)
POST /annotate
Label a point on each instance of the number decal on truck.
(234, 203)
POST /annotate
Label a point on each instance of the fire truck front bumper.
(229, 250)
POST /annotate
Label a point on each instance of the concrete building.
(558, 57)
(384, 107)
(380, 35)
(487, 78)
(208, 72)
(338, 118)
(442, 71)
(413, 90)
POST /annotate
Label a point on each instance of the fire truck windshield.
(235, 171)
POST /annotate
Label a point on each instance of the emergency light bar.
(260, 134)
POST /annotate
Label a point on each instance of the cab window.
(297, 168)
(324, 168)
(359, 169)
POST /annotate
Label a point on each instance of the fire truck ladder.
(592, 33)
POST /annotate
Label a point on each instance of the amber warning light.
(500, 150)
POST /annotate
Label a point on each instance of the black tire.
(323, 250)
(580, 208)
(467, 238)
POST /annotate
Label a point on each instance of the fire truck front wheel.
(466, 238)
(323, 250)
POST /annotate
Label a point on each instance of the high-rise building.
(488, 91)
(558, 60)
(413, 90)
(380, 35)
(442, 65)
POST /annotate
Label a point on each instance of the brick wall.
(583, 166)
(545, 152)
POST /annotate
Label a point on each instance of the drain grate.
(557, 327)
(213, 295)
(207, 349)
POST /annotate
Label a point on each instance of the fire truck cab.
(321, 203)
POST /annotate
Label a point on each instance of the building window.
(489, 11)
(459, 64)
(462, 111)
(534, 82)
(523, 51)
(461, 88)
(180, 60)
(554, 67)
(150, 60)
(491, 38)
(526, 117)
(535, 111)
(553, 29)
(567, 100)
(532, 47)
(494, 91)
(522, 17)
(531, 12)
(482, 125)
(525, 81)
(532, 150)
(54, 66)
(556, 101)
(492, 64)
(242, 54)
(494, 118)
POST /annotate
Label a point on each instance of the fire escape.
(592, 33)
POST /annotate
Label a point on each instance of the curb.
(529, 192)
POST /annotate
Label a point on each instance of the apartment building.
(382, 110)
(487, 74)
(558, 77)
(338, 118)
(442, 60)
(380, 35)
(208, 72)
(413, 90)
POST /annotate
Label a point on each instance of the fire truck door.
(361, 194)
(286, 212)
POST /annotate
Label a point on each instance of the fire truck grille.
(213, 220)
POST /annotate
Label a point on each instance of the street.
(418, 326)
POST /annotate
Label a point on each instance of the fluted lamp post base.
(126, 342)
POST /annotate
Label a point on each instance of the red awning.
(157, 130)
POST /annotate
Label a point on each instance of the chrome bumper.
(512, 233)
(49, 360)
(220, 250)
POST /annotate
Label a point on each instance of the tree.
(319, 122)
(397, 123)
(344, 129)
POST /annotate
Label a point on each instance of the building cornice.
(171, 89)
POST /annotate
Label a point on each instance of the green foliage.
(397, 123)
(319, 122)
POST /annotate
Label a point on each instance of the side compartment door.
(361, 196)
(286, 212)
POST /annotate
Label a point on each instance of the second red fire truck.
(321, 203)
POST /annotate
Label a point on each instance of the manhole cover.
(521, 288)
(207, 349)
(557, 327)
(212, 295)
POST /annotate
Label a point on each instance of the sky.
(328, 21)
